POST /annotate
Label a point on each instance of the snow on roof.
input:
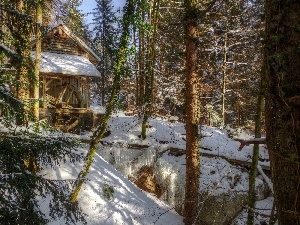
(67, 64)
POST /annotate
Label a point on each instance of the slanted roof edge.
(79, 41)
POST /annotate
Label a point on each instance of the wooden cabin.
(67, 64)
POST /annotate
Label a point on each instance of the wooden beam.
(87, 92)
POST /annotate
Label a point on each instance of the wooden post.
(87, 92)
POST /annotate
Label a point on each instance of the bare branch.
(250, 141)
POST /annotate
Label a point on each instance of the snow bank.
(128, 204)
(163, 135)
(217, 177)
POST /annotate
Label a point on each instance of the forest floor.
(109, 198)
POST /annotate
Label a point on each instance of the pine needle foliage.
(73, 18)
(27, 149)
(105, 42)
(22, 190)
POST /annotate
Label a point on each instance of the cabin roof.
(67, 64)
(78, 40)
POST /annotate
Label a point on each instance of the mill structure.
(66, 69)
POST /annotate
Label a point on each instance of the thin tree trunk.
(192, 120)
(150, 69)
(273, 216)
(283, 105)
(118, 71)
(253, 171)
(141, 99)
(103, 68)
(136, 70)
(238, 108)
(224, 76)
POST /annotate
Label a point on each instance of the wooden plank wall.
(70, 90)
(58, 41)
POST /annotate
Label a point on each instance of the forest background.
(200, 61)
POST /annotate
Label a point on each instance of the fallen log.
(178, 152)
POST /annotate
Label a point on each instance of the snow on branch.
(16, 13)
(7, 49)
(250, 141)
(266, 178)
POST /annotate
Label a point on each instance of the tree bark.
(38, 51)
(103, 64)
(192, 120)
(150, 69)
(22, 77)
(141, 99)
(283, 105)
(224, 76)
(253, 171)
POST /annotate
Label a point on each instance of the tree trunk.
(141, 99)
(118, 71)
(103, 67)
(224, 76)
(283, 105)
(38, 51)
(192, 120)
(136, 72)
(150, 69)
(22, 77)
(253, 171)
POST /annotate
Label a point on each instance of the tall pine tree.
(104, 41)
(73, 18)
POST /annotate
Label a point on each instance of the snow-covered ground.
(107, 198)
(163, 135)
(217, 175)
(262, 214)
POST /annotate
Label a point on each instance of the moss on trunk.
(253, 171)
(99, 132)
(282, 112)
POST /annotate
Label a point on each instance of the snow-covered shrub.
(108, 192)
(24, 152)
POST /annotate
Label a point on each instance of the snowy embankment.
(107, 198)
(220, 180)
(163, 135)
